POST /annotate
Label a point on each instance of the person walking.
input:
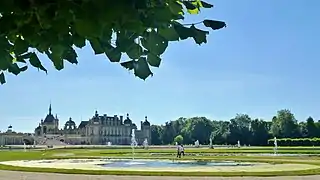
(179, 148)
(182, 150)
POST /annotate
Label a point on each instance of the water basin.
(159, 165)
(168, 163)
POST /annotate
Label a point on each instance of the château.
(98, 130)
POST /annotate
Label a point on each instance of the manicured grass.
(234, 154)
(155, 173)
(281, 150)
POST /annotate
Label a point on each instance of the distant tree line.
(254, 132)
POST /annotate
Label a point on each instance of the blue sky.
(265, 60)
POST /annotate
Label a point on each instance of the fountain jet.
(133, 142)
(275, 145)
(24, 146)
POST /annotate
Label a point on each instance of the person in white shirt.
(182, 150)
(179, 148)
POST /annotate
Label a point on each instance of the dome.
(70, 121)
(146, 122)
(70, 124)
(134, 126)
(49, 119)
(96, 117)
(127, 121)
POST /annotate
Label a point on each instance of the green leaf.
(189, 5)
(87, 28)
(215, 25)
(2, 78)
(58, 49)
(21, 58)
(4, 43)
(153, 60)
(193, 11)
(24, 68)
(20, 46)
(176, 8)
(155, 43)
(60, 25)
(63, 12)
(35, 62)
(5, 60)
(134, 51)
(182, 31)
(206, 5)
(5, 6)
(79, 41)
(197, 4)
(128, 64)
(135, 25)
(71, 56)
(162, 14)
(57, 61)
(199, 36)
(123, 42)
(96, 46)
(141, 68)
(169, 33)
(106, 34)
(114, 54)
(141, 4)
(56, 55)
(14, 69)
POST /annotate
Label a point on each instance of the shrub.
(296, 142)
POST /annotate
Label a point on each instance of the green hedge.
(296, 142)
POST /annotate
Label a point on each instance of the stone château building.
(100, 129)
(11, 137)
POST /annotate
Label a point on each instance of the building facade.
(98, 130)
(10, 137)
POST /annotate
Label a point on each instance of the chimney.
(115, 117)
(121, 119)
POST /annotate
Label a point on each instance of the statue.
(196, 143)
(210, 143)
(145, 143)
(275, 145)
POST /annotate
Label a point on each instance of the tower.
(146, 130)
(50, 125)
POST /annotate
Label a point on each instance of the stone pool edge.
(93, 166)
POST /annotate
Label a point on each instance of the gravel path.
(10, 175)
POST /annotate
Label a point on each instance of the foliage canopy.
(141, 29)
(178, 139)
(248, 130)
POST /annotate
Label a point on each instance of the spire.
(146, 118)
(50, 109)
